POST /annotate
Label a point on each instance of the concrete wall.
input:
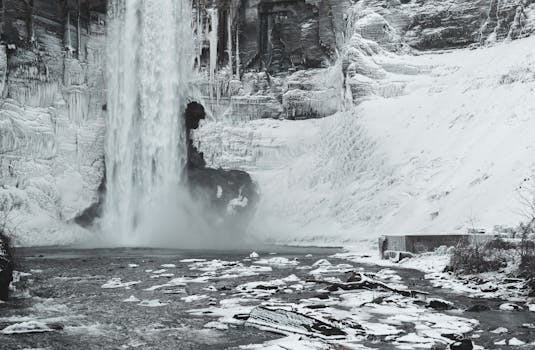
(424, 243)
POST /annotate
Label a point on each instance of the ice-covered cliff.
(435, 105)
(419, 97)
(51, 115)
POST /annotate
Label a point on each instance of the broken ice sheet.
(117, 283)
(279, 262)
(26, 327)
(152, 303)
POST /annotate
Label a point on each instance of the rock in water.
(465, 344)
(285, 321)
(6, 267)
(439, 304)
(230, 195)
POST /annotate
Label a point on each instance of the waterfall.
(150, 60)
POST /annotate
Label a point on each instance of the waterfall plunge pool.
(186, 299)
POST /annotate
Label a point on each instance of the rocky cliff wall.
(51, 112)
(277, 43)
(289, 59)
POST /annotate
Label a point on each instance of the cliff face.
(51, 111)
(284, 40)
(437, 99)
(289, 59)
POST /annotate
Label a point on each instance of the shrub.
(478, 257)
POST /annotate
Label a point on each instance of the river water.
(77, 294)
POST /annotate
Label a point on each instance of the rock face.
(229, 195)
(284, 59)
(6, 267)
(281, 51)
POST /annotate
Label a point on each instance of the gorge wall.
(51, 113)
(282, 59)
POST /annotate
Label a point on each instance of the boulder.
(6, 266)
(478, 308)
(229, 195)
(439, 304)
(465, 344)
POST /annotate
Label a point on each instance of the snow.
(279, 262)
(500, 330)
(516, 342)
(192, 298)
(117, 283)
(455, 136)
(168, 266)
(216, 325)
(26, 327)
(510, 307)
(131, 299)
(152, 303)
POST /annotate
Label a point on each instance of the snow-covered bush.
(477, 257)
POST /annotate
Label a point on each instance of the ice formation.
(433, 142)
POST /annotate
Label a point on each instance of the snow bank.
(445, 151)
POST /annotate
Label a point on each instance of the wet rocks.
(230, 195)
(285, 321)
(478, 308)
(510, 307)
(439, 304)
(465, 344)
(6, 267)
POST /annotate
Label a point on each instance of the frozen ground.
(161, 299)
(441, 143)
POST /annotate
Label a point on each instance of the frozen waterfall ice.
(149, 65)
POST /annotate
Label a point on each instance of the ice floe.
(26, 327)
(116, 282)
(152, 303)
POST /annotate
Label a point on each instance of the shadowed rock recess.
(230, 194)
(6, 267)
(283, 59)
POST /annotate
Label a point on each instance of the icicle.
(78, 34)
(213, 47)
(69, 44)
(229, 39)
(237, 52)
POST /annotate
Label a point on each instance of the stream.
(186, 299)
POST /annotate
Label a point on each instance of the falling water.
(149, 54)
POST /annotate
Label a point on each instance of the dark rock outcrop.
(6, 266)
(230, 195)
(94, 211)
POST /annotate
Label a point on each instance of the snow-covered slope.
(442, 143)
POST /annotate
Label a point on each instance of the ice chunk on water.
(131, 299)
(26, 327)
(152, 303)
(117, 283)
